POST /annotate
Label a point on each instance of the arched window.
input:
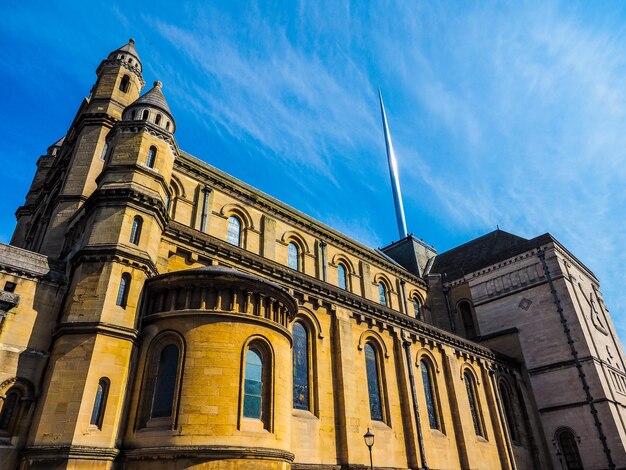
(105, 149)
(293, 255)
(508, 411)
(145, 114)
(135, 232)
(165, 384)
(151, 157)
(569, 449)
(474, 403)
(417, 308)
(124, 83)
(167, 126)
(122, 293)
(133, 115)
(157, 120)
(465, 311)
(99, 404)
(234, 231)
(430, 394)
(9, 410)
(341, 276)
(253, 395)
(373, 383)
(382, 294)
(300, 367)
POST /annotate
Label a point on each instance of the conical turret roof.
(128, 48)
(154, 99)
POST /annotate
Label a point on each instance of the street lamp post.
(368, 437)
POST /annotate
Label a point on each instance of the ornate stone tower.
(111, 247)
(72, 165)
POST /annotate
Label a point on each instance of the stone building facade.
(158, 313)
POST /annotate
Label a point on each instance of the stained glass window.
(97, 414)
(292, 255)
(8, 410)
(253, 385)
(382, 294)
(341, 276)
(431, 407)
(151, 157)
(373, 383)
(417, 308)
(135, 231)
(473, 403)
(165, 385)
(569, 448)
(122, 293)
(300, 367)
(234, 230)
(508, 411)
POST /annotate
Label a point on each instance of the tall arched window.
(145, 114)
(165, 384)
(508, 411)
(430, 394)
(300, 367)
(417, 308)
(151, 157)
(373, 383)
(341, 276)
(9, 410)
(135, 232)
(234, 231)
(124, 83)
(105, 149)
(465, 311)
(293, 255)
(474, 403)
(382, 294)
(157, 120)
(122, 293)
(569, 449)
(253, 394)
(99, 404)
(133, 115)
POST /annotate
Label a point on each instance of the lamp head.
(368, 437)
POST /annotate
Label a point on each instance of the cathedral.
(157, 313)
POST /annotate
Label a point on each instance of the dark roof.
(479, 253)
(154, 98)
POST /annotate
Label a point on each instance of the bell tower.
(116, 235)
(71, 180)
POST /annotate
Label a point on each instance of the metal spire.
(393, 173)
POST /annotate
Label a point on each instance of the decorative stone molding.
(210, 452)
(218, 289)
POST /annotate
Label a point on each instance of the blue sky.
(508, 113)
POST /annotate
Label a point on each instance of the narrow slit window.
(165, 384)
(292, 256)
(417, 308)
(253, 385)
(9, 410)
(430, 395)
(99, 404)
(300, 367)
(145, 114)
(373, 383)
(105, 149)
(122, 293)
(508, 411)
(135, 232)
(157, 121)
(474, 404)
(468, 320)
(382, 294)
(341, 276)
(125, 84)
(151, 157)
(234, 231)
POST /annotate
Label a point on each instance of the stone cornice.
(116, 253)
(69, 452)
(139, 126)
(102, 328)
(250, 196)
(211, 452)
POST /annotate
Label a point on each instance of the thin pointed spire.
(393, 173)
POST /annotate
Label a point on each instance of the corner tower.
(112, 248)
(70, 179)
